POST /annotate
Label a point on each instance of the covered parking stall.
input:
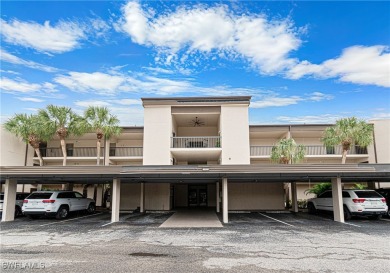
(193, 174)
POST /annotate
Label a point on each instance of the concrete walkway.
(188, 218)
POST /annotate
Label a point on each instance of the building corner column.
(225, 206)
(106, 152)
(9, 200)
(337, 198)
(294, 197)
(217, 198)
(115, 199)
(142, 198)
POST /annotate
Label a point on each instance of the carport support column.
(225, 200)
(217, 198)
(67, 187)
(294, 197)
(115, 199)
(9, 200)
(338, 209)
(142, 199)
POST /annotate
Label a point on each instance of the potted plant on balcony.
(218, 144)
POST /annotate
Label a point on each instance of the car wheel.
(18, 211)
(311, 208)
(62, 213)
(91, 208)
(388, 213)
(347, 213)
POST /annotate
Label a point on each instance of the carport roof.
(198, 173)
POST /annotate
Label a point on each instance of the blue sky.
(301, 61)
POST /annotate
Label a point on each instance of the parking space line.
(276, 220)
(351, 224)
(52, 223)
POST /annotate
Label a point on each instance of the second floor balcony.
(311, 150)
(196, 142)
(91, 152)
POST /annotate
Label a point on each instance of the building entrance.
(197, 195)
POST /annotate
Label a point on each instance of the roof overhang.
(199, 173)
(196, 101)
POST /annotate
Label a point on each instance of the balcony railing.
(196, 142)
(311, 150)
(126, 151)
(91, 152)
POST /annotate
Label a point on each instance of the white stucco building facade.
(202, 132)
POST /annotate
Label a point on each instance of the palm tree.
(31, 129)
(287, 151)
(63, 122)
(348, 132)
(100, 120)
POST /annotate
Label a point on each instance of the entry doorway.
(197, 195)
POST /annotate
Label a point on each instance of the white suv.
(56, 203)
(356, 202)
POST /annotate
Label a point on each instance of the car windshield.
(368, 194)
(40, 195)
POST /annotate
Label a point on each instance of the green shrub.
(319, 188)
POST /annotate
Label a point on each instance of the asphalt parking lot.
(251, 242)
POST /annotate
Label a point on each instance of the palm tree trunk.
(63, 147)
(38, 152)
(344, 156)
(98, 145)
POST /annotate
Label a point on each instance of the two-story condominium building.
(216, 156)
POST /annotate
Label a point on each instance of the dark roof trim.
(199, 173)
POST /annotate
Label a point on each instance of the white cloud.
(9, 58)
(91, 82)
(87, 103)
(275, 102)
(318, 96)
(126, 101)
(30, 99)
(128, 116)
(22, 87)
(9, 72)
(50, 38)
(271, 99)
(63, 37)
(320, 119)
(357, 64)
(159, 70)
(202, 31)
(191, 35)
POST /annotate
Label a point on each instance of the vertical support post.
(106, 152)
(67, 187)
(217, 198)
(39, 187)
(9, 200)
(142, 198)
(337, 197)
(225, 200)
(294, 197)
(115, 199)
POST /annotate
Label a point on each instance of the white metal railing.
(126, 151)
(91, 152)
(196, 142)
(310, 150)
